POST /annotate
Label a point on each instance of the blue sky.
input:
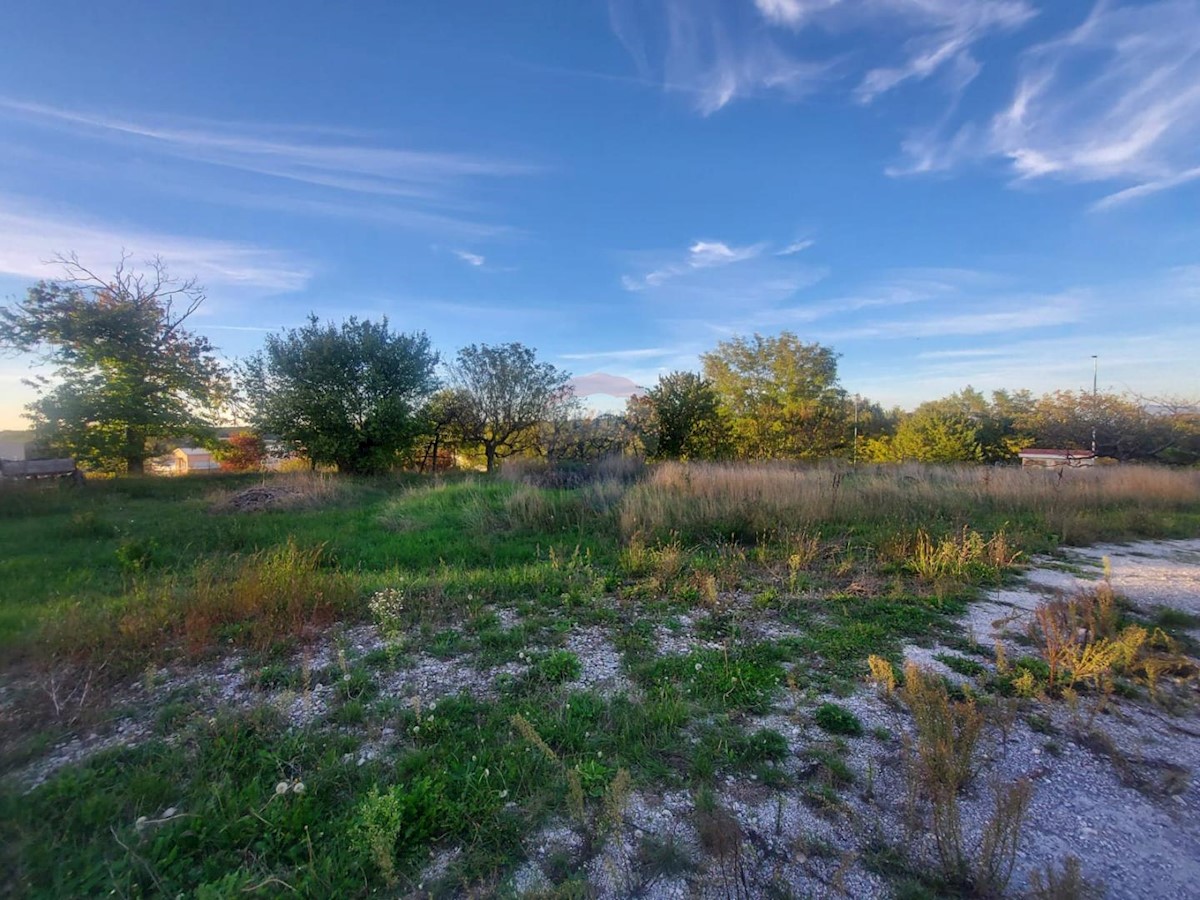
(948, 192)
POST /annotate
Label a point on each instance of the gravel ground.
(1118, 791)
(1118, 788)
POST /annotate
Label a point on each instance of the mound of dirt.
(259, 498)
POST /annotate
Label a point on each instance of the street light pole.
(1095, 373)
(854, 456)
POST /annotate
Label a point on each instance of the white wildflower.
(298, 788)
(281, 788)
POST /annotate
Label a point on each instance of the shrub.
(947, 731)
(964, 556)
(838, 720)
(559, 666)
(940, 765)
(399, 819)
(1067, 883)
(242, 452)
(882, 673)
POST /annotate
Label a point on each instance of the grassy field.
(389, 686)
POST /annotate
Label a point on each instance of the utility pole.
(855, 456)
(1095, 373)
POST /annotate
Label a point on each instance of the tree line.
(130, 376)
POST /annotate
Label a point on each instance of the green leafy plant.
(559, 666)
(838, 720)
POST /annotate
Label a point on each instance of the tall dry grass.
(256, 601)
(707, 499)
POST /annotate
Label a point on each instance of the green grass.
(471, 574)
(68, 547)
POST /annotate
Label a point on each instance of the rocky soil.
(1114, 786)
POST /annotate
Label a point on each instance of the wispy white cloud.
(471, 259)
(894, 291)
(1034, 312)
(706, 254)
(700, 255)
(795, 247)
(30, 238)
(318, 171)
(718, 52)
(1115, 98)
(942, 33)
(639, 353)
(710, 51)
(368, 210)
(328, 161)
(793, 13)
(1146, 188)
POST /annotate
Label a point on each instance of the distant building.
(1055, 459)
(12, 449)
(188, 460)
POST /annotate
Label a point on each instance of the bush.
(559, 666)
(940, 765)
(838, 720)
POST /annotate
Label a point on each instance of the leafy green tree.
(351, 395)
(129, 375)
(681, 418)
(929, 435)
(781, 395)
(868, 420)
(441, 436)
(504, 394)
(963, 427)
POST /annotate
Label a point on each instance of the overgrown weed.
(274, 595)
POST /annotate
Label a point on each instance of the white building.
(1054, 459)
(193, 459)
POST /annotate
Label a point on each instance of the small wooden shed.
(189, 460)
